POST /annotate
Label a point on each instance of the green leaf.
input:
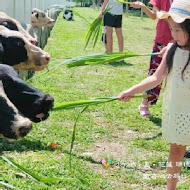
(7, 185)
(77, 14)
(29, 172)
(127, 2)
(84, 103)
(100, 58)
(73, 136)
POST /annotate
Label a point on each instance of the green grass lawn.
(108, 131)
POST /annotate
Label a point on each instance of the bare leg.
(109, 38)
(119, 38)
(154, 93)
(175, 157)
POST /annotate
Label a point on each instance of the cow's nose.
(47, 57)
(25, 130)
(34, 42)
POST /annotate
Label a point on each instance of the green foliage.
(112, 130)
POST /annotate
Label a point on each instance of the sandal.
(144, 111)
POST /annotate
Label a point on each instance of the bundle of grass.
(99, 59)
(95, 29)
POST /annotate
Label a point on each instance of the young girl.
(161, 39)
(175, 66)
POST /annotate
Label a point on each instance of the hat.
(179, 11)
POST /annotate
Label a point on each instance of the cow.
(31, 102)
(68, 14)
(13, 24)
(13, 125)
(40, 19)
(17, 51)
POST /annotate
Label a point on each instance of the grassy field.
(112, 131)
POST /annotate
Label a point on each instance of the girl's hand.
(163, 50)
(126, 95)
(101, 14)
(137, 5)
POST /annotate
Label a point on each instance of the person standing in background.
(161, 39)
(112, 19)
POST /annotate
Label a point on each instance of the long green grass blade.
(123, 1)
(73, 136)
(101, 58)
(29, 172)
(83, 103)
(79, 15)
(7, 185)
(95, 59)
(127, 2)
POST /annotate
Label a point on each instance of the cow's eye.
(43, 15)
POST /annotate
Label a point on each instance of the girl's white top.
(176, 103)
(117, 7)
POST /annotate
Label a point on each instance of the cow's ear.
(1, 51)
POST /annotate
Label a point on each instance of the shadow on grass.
(120, 64)
(27, 145)
(156, 120)
(22, 145)
(155, 137)
(85, 158)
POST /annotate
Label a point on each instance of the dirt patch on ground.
(108, 150)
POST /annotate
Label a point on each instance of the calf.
(13, 24)
(13, 125)
(31, 102)
(40, 19)
(68, 14)
(17, 51)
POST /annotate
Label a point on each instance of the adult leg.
(109, 39)
(119, 38)
(174, 165)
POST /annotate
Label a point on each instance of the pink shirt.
(163, 33)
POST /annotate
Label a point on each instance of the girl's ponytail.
(169, 59)
(170, 56)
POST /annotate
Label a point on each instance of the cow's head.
(13, 24)
(40, 19)
(17, 51)
(12, 124)
(31, 102)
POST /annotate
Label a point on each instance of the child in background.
(112, 19)
(161, 39)
(175, 66)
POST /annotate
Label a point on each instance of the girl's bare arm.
(149, 13)
(148, 83)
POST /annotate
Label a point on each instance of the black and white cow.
(17, 51)
(13, 24)
(13, 125)
(31, 102)
(20, 103)
(68, 14)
